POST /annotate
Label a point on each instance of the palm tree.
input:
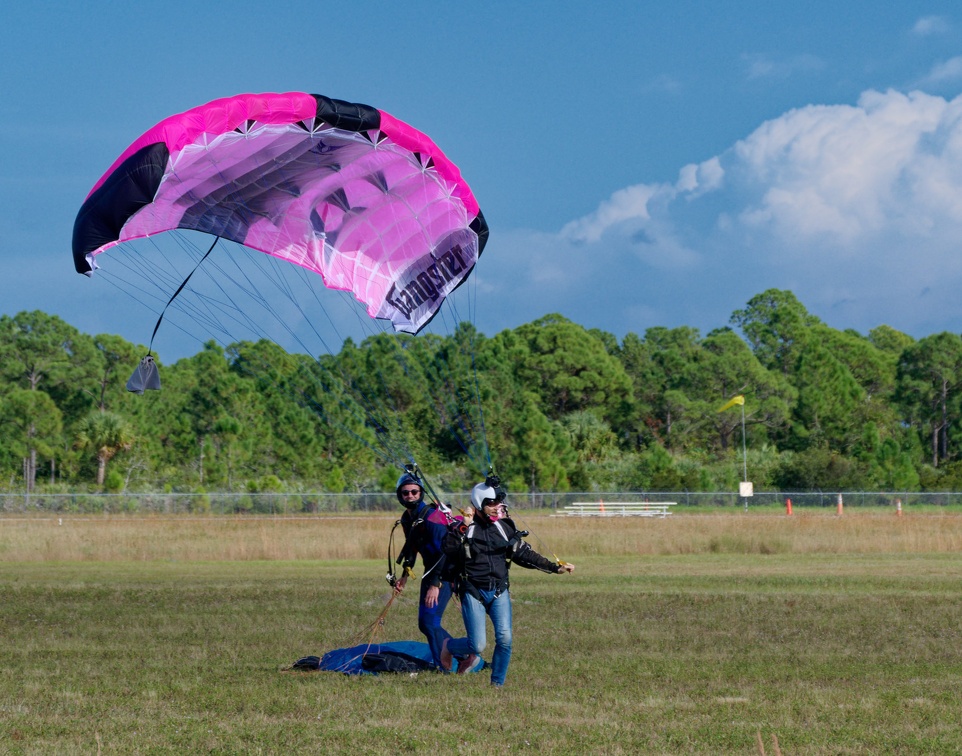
(104, 433)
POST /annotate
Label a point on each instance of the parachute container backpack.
(341, 189)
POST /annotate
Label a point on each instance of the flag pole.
(744, 449)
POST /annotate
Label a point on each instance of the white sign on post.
(746, 489)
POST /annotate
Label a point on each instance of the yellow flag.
(732, 402)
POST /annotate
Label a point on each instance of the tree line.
(564, 408)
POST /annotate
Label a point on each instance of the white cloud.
(946, 71)
(928, 25)
(634, 203)
(768, 67)
(630, 203)
(848, 172)
(856, 208)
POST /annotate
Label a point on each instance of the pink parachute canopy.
(341, 189)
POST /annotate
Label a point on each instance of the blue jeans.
(429, 619)
(473, 612)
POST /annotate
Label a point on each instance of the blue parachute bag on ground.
(371, 659)
(376, 658)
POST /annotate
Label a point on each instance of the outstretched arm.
(532, 560)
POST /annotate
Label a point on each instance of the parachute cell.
(340, 189)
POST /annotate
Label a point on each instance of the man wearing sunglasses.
(425, 527)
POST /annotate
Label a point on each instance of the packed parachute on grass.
(408, 657)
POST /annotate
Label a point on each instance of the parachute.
(341, 189)
(290, 220)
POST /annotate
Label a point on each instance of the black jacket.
(484, 554)
(425, 528)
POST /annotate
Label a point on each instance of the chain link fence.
(288, 504)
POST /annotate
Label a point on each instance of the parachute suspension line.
(477, 394)
(125, 287)
(391, 577)
(215, 306)
(179, 289)
(472, 303)
(474, 437)
(434, 494)
(155, 282)
(215, 313)
(468, 408)
(457, 404)
(276, 274)
(378, 412)
(370, 634)
(241, 280)
(376, 415)
(161, 274)
(204, 308)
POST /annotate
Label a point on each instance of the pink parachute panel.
(343, 190)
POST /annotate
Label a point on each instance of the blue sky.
(639, 163)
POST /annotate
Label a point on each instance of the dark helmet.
(408, 479)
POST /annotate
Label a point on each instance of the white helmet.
(481, 493)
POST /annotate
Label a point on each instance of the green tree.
(887, 466)
(590, 438)
(118, 358)
(829, 398)
(542, 456)
(216, 401)
(656, 366)
(569, 369)
(890, 340)
(775, 324)
(874, 369)
(41, 351)
(104, 434)
(816, 469)
(929, 379)
(38, 350)
(724, 367)
(32, 427)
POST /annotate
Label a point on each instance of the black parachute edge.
(480, 226)
(131, 186)
(347, 116)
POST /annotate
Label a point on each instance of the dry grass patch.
(364, 536)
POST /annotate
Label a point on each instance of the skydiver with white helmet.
(483, 550)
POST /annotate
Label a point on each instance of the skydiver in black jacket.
(484, 551)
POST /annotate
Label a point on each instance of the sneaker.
(446, 657)
(467, 663)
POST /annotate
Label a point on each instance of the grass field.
(720, 633)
